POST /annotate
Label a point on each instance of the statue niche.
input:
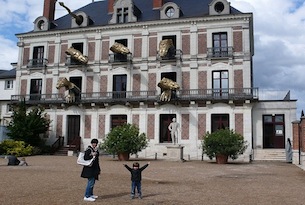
(71, 90)
(168, 86)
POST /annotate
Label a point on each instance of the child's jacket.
(136, 174)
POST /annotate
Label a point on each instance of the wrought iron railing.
(220, 52)
(37, 63)
(120, 58)
(175, 55)
(143, 96)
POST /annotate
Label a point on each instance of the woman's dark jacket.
(136, 174)
(94, 170)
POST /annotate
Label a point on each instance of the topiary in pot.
(223, 142)
(124, 139)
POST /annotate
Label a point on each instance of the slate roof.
(8, 74)
(98, 12)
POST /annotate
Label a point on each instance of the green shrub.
(17, 148)
(125, 138)
(223, 142)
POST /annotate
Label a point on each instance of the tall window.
(79, 47)
(219, 121)
(117, 120)
(8, 85)
(220, 83)
(172, 76)
(122, 15)
(220, 45)
(35, 89)
(119, 86)
(118, 57)
(171, 50)
(38, 55)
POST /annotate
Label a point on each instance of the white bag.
(81, 161)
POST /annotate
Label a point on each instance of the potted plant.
(124, 140)
(222, 144)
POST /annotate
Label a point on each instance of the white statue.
(173, 128)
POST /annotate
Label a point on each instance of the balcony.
(117, 58)
(37, 63)
(176, 54)
(220, 52)
(134, 97)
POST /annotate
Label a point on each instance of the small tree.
(124, 139)
(28, 126)
(223, 142)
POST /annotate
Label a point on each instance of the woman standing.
(91, 172)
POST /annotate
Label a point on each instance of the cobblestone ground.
(55, 180)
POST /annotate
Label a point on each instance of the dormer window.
(169, 10)
(219, 7)
(41, 24)
(124, 12)
(122, 15)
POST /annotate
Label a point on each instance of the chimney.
(157, 4)
(49, 9)
(110, 6)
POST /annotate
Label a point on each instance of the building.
(117, 52)
(7, 86)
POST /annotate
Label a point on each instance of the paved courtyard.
(55, 180)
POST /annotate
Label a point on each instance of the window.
(118, 57)
(219, 121)
(35, 89)
(220, 83)
(171, 50)
(117, 120)
(173, 77)
(170, 12)
(79, 47)
(220, 45)
(122, 15)
(78, 82)
(219, 7)
(8, 85)
(38, 56)
(9, 108)
(119, 86)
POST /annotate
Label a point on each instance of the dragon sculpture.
(71, 89)
(78, 19)
(77, 55)
(165, 47)
(119, 48)
(167, 85)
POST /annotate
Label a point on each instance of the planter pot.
(221, 159)
(123, 156)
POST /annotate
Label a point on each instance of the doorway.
(73, 128)
(273, 131)
(165, 135)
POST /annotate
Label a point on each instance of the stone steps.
(270, 154)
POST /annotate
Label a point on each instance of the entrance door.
(73, 128)
(273, 131)
(165, 120)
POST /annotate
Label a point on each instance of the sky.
(279, 40)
